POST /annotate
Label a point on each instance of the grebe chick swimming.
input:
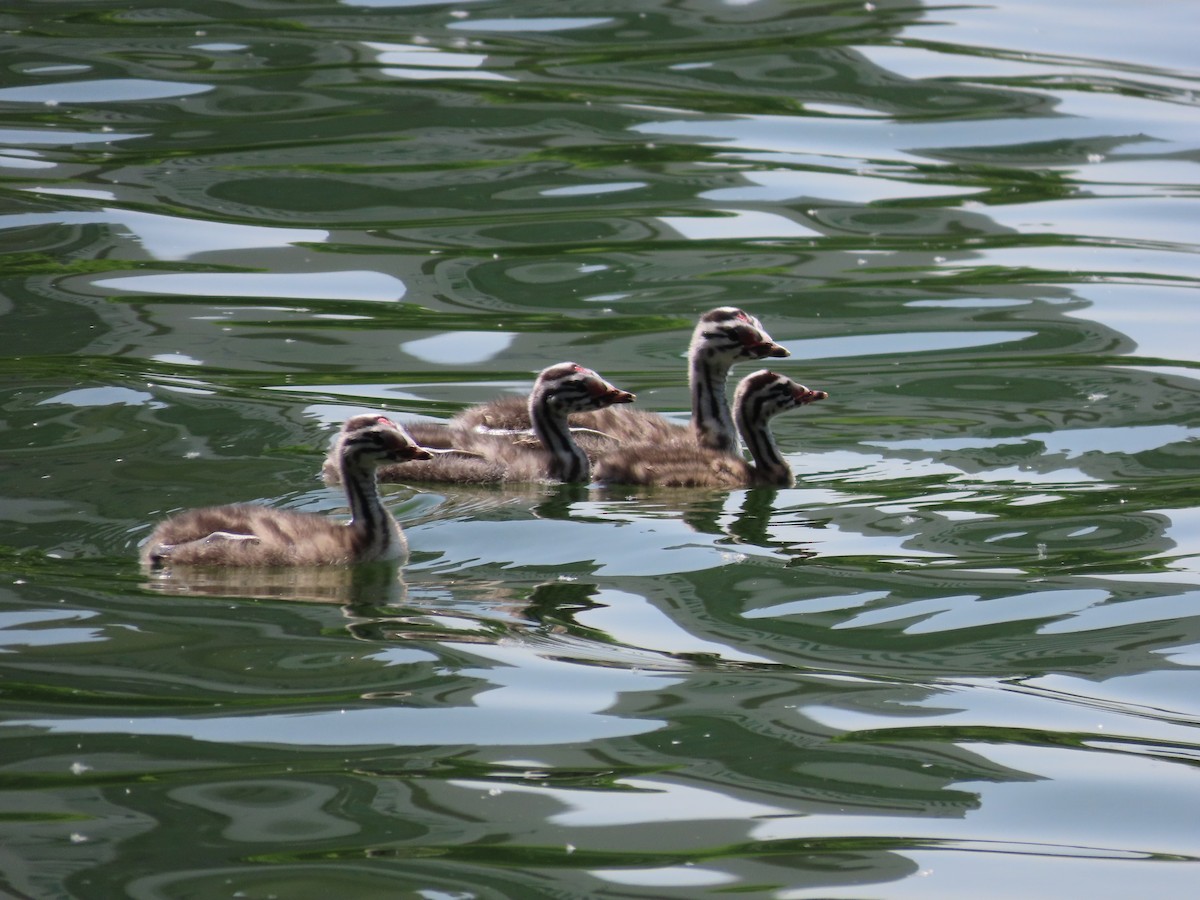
(553, 454)
(681, 463)
(246, 534)
(723, 337)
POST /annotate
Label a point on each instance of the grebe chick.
(437, 442)
(681, 463)
(723, 337)
(246, 534)
(559, 391)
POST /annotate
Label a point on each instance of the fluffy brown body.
(722, 338)
(246, 534)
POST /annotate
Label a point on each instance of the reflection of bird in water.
(250, 535)
(559, 390)
(723, 337)
(352, 587)
(681, 463)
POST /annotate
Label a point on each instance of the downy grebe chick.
(681, 463)
(551, 455)
(246, 534)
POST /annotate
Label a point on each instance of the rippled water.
(958, 659)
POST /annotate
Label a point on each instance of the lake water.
(959, 659)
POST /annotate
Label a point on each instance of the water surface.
(957, 659)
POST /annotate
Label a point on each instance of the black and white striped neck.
(711, 419)
(560, 390)
(759, 398)
(722, 337)
(769, 465)
(549, 420)
(550, 403)
(377, 536)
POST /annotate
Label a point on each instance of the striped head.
(765, 394)
(569, 388)
(733, 334)
(759, 397)
(366, 420)
(377, 442)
